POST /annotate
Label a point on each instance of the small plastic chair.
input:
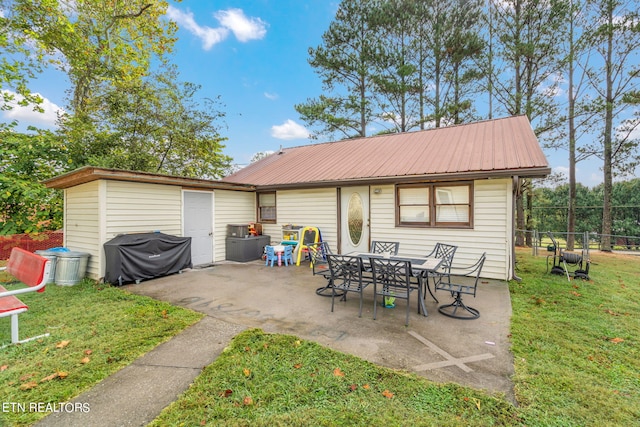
(272, 256)
(287, 256)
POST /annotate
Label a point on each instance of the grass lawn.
(576, 349)
(575, 346)
(95, 331)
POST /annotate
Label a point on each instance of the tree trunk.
(607, 142)
(571, 208)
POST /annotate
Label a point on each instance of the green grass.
(575, 347)
(575, 343)
(95, 331)
(576, 357)
(280, 380)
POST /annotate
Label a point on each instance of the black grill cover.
(135, 257)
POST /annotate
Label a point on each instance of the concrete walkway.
(237, 296)
(135, 395)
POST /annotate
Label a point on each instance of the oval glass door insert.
(355, 218)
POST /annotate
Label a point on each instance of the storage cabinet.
(246, 249)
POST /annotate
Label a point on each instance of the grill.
(137, 257)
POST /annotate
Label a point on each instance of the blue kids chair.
(271, 255)
(287, 257)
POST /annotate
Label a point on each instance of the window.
(413, 205)
(267, 207)
(434, 205)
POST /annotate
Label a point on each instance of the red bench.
(30, 269)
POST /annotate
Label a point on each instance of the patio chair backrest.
(345, 270)
(446, 252)
(379, 247)
(392, 278)
(471, 271)
(318, 257)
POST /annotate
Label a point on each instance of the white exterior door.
(198, 224)
(354, 219)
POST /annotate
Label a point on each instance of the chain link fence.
(583, 241)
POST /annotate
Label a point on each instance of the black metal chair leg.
(327, 290)
(458, 304)
(426, 285)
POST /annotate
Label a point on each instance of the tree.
(98, 44)
(464, 47)
(527, 32)
(260, 155)
(615, 38)
(17, 66)
(26, 205)
(156, 125)
(120, 114)
(394, 69)
(576, 124)
(626, 217)
(344, 62)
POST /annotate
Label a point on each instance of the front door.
(198, 224)
(354, 219)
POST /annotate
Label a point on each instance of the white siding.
(134, 207)
(81, 223)
(98, 211)
(231, 207)
(490, 233)
(313, 208)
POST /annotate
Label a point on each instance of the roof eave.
(89, 173)
(536, 172)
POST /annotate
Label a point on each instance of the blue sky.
(253, 54)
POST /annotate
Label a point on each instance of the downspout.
(515, 187)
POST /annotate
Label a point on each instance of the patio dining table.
(421, 265)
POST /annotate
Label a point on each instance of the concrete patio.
(283, 300)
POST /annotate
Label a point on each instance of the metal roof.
(492, 148)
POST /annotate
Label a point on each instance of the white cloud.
(588, 175)
(562, 170)
(209, 36)
(289, 130)
(243, 28)
(27, 115)
(231, 20)
(271, 96)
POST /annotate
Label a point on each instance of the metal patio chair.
(320, 265)
(346, 276)
(392, 278)
(446, 253)
(458, 287)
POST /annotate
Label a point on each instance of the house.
(454, 185)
